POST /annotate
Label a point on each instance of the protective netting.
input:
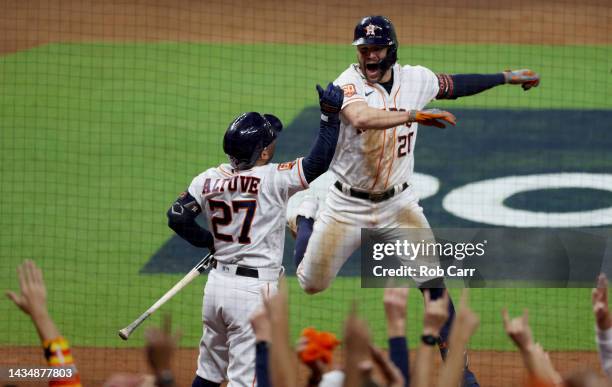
(109, 109)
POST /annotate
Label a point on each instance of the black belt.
(374, 197)
(241, 270)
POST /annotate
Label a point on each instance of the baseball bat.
(199, 268)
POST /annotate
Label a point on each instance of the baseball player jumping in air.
(244, 203)
(374, 161)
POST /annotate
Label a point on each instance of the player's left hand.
(524, 77)
(330, 99)
(432, 117)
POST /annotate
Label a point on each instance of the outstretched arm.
(322, 152)
(464, 327)
(395, 302)
(182, 219)
(160, 348)
(463, 85)
(535, 359)
(283, 366)
(262, 329)
(33, 301)
(435, 315)
(362, 116)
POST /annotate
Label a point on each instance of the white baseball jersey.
(376, 160)
(371, 160)
(245, 210)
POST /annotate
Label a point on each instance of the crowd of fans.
(32, 300)
(277, 360)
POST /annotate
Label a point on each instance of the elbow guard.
(184, 210)
(181, 219)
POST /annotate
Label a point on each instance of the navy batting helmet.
(379, 31)
(247, 136)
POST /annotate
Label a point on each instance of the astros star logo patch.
(371, 29)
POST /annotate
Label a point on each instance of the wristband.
(507, 74)
(411, 116)
(330, 118)
(429, 340)
(57, 352)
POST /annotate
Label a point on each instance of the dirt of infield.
(95, 365)
(26, 24)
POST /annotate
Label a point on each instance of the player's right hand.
(330, 99)
(432, 117)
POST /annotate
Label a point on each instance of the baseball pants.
(227, 347)
(337, 234)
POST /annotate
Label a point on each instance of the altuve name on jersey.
(244, 184)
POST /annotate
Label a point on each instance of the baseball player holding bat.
(244, 203)
(374, 160)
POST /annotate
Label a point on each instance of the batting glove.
(432, 117)
(525, 77)
(330, 99)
